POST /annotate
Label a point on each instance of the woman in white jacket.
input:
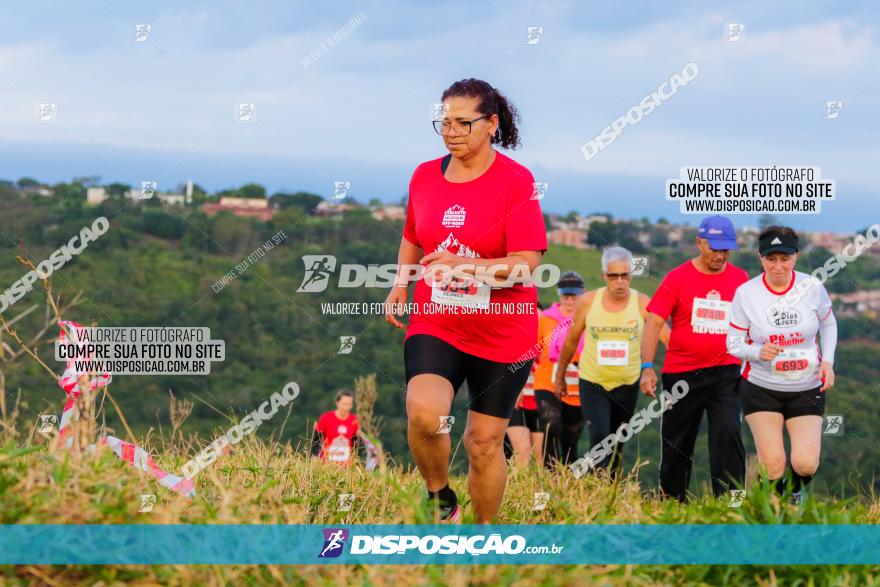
(775, 319)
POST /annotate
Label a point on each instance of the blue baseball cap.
(719, 231)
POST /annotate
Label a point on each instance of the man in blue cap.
(696, 296)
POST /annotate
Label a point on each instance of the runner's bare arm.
(651, 337)
(407, 255)
(643, 309)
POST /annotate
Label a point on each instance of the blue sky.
(163, 109)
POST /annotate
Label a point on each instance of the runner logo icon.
(334, 541)
(319, 268)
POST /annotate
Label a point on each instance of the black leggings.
(561, 424)
(604, 412)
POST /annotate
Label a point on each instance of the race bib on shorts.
(465, 293)
(710, 315)
(612, 353)
(794, 364)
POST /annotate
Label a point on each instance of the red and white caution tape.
(141, 459)
(128, 452)
(69, 381)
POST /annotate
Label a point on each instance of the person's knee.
(422, 417)
(573, 433)
(598, 429)
(805, 463)
(775, 464)
(482, 446)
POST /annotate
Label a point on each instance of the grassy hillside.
(270, 483)
(156, 266)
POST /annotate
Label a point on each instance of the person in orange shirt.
(525, 437)
(559, 416)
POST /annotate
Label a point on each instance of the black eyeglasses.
(461, 127)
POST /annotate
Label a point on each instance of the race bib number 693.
(794, 363)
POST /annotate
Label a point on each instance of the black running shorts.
(492, 387)
(790, 404)
(527, 418)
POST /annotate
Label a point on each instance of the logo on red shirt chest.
(454, 217)
(453, 245)
(342, 429)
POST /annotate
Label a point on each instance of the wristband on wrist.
(647, 365)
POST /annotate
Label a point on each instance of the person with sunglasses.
(473, 211)
(774, 321)
(696, 295)
(606, 335)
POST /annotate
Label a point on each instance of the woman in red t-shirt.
(473, 211)
(336, 433)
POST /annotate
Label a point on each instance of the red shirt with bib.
(699, 304)
(338, 437)
(485, 218)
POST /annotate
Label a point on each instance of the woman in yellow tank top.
(612, 319)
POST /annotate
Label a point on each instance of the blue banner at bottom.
(439, 544)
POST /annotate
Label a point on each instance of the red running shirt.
(338, 436)
(486, 218)
(699, 305)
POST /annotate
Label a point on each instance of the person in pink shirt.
(472, 210)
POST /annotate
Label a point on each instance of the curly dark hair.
(491, 102)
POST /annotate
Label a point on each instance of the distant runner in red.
(475, 210)
(697, 295)
(334, 439)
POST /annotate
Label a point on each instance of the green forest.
(156, 265)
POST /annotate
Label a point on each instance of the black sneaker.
(450, 513)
